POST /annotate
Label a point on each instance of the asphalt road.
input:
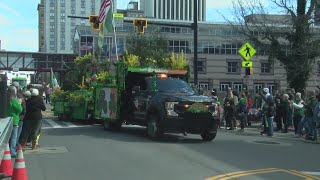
(89, 152)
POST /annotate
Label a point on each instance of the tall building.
(173, 9)
(58, 29)
(317, 13)
(41, 29)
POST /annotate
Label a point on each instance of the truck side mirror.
(136, 90)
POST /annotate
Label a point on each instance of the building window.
(201, 66)
(203, 85)
(266, 68)
(62, 20)
(52, 14)
(51, 26)
(63, 14)
(233, 67)
(258, 87)
(237, 87)
(178, 46)
(51, 21)
(224, 86)
(272, 88)
(82, 21)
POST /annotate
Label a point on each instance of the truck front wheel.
(154, 131)
(207, 136)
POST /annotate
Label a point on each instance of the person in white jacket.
(298, 112)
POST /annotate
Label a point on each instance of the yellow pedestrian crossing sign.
(247, 51)
(247, 64)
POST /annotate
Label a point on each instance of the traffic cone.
(6, 163)
(19, 171)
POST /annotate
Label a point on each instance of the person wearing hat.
(14, 110)
(268, 111)
(26, 95)
(33, 118)
(17, 86)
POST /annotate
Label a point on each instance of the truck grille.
(183, 106)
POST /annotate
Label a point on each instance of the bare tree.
(291, 38)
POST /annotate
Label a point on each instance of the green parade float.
(147, 87)
(126, 92)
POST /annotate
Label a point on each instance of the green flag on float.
(54, 82)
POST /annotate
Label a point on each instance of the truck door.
(140, 101)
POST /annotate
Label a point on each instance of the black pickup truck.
(161, 106)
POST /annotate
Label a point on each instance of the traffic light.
(94, 21)
(249, 71)
(140, 25)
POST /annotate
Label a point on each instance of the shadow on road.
(126, 134)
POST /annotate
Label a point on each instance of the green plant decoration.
(198, 108)
(58, 95)
(178, 62)
(131, 59)
(76, 98)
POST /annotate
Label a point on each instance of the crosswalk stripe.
(69, 124)
(53, 124)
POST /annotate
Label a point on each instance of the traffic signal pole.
(195, 42)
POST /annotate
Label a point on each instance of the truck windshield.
(171, 85)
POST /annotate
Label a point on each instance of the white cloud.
(9, 9)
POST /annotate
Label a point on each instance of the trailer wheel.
(154, 131)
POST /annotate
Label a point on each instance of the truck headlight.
(170, 108)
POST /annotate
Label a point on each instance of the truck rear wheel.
(154, 131)
(207, 136)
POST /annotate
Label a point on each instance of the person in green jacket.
(14, 110)
(242, 110)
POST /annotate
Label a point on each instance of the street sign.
(247, 51)
(118, 20)
(118, 15)
(247, 64)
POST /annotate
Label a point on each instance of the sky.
(19, 21)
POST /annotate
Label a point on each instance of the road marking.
(53, 124)
(239, 172)
(70, 124)
(260, 171)
(311, 173)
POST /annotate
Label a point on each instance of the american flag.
(104, 5)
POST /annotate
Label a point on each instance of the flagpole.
(114, 30)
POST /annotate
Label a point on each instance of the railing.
(5, 133)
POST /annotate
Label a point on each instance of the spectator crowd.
(25, 107)
(287, 110)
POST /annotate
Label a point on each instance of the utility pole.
(195, 42)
